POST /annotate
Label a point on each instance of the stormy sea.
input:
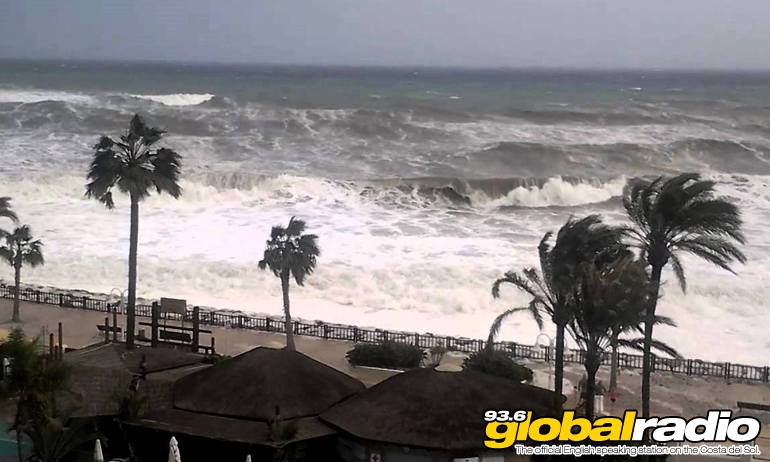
(424, 185)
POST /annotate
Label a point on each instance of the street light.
(550, 344)
(121, 293)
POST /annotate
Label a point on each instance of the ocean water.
(423, 185)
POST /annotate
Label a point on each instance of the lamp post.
(550, 345)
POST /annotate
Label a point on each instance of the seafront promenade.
(673, 394)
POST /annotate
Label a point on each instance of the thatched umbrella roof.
(251, 385)
(175, 421)
(435, 410)
(105, 368)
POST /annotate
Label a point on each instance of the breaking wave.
(177, 99)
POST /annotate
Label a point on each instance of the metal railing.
(692, 367)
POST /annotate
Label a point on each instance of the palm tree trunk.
(559, 368)
(590, 390)
(649, 321)
(18, 432)
(17, 293)
(289, 326)
(614, 363)
(132, 256)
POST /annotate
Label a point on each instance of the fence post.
(61, 342)
(50, 345)
(267, 325)
(326, 332)
(196, 337)
(37, 296)
(107, 329)
(115, 323)
(513, 348)
(417, 340)
(727, 371)
(61, 299)
(154, 323)
(689, 367)
(355, 334)
(240, 321)
(448, 343)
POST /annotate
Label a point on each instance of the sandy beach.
(673, 394)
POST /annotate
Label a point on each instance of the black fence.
(693, 367)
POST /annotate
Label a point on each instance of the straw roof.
(251, 385)
(116, 356)
(227, 429)
(435, 410)
(103, 369)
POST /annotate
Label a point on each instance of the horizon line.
(204, 63)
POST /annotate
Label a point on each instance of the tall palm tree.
(290, 253)
(678, 215)
(133, 165)
(578, 241)
(608, 299)
(20, 249)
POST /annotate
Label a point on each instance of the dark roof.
(251, 385)
(116, 356)
(103, 369)
(436, 410)
(228, 429)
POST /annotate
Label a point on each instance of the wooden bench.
(103, 328)
(175, 336)
(753, 406)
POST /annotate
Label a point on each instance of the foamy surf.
(177, 99)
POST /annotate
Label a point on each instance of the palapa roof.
(251, 385)
(116, 356)
(105, 368)
(435, 410)
(228, 429)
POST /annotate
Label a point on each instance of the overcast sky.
(723, 34)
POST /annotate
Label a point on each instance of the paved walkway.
(672, 394)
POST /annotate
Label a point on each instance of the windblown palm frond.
(290, 250)
(682, 214)
(132, 165)
(6, 210)
(19, 245)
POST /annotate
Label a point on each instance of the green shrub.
(389, 355)
(498, 363)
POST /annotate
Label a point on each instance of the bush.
(389, 355)
(498, 363)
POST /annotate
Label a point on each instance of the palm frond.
(6, 210)
(494, 329)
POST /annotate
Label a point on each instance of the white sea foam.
(36, 96)
(425, 269)
(557, 192)
(177, 99)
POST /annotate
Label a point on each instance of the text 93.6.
(505, 416)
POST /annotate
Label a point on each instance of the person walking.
(599, 393)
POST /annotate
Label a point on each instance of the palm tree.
(133, 165)
(6, 209)
(608, 299)
(32, 381)
(672, 216)
(578, 241)
(55, 442)
(290, 253)
(20, 249)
